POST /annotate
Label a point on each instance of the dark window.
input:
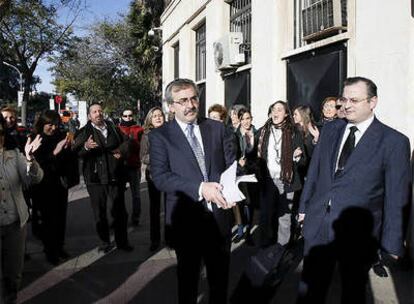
(412, 8)
(176, 60)
(237, 89)
(315, 75)
(202, 97)
(201, 53)
(241, 21)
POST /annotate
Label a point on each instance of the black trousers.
(212, 249)
(155, 210)
(276, 215)
(52, 204)
(113, 194)
(12, 247)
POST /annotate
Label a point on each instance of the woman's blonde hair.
(148, 119)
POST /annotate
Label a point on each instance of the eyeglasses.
(184, 101)
(353, 101)
(338, 107)
(127, 115)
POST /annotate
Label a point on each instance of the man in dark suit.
(188, 156)
(358, 163)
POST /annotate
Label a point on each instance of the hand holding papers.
(230, 182)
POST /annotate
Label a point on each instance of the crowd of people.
(309, 173)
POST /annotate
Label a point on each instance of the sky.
(95, 10)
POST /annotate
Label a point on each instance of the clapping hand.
(297, 153)
(60, 145)
(32, 146)
(313, 130)
(90, 143)
(116, 153)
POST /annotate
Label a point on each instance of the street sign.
(58, 99)
(19, 98)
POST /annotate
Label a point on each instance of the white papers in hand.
(230, 182)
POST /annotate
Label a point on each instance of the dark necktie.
(347, 149)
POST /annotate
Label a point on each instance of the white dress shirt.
(362, 127)
(197, 134)
(196, 130)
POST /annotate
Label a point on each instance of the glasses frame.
(353, 101)
(183, 101)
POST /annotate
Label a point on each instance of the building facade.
(255, 52)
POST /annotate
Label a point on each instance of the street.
(149, 277)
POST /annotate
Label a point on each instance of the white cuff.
(200, 195)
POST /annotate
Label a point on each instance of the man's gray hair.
(236, 108)
(178, 85)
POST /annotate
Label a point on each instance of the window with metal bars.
(241, 21)
(200, 45)
(318, 19)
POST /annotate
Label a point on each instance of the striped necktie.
(198, 151)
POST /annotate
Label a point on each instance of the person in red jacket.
(133, 162)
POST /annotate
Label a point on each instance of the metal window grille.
(176, 60)
(200, 45)
(241, 21)
(318, 19)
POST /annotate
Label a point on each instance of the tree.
(117, 63)
(145, 15)
(29, 32)
(4, 7)
(98, 67)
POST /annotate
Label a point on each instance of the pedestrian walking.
(99, 144)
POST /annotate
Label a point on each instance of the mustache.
(192, 110)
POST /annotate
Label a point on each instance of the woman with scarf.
(280, 153)
(133, 162)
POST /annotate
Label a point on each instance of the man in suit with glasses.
(188, 156)
(360, 169)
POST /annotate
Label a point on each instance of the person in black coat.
(50, 196)
(100, 143)
(246, 154)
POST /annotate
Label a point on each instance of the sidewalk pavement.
(146, 277)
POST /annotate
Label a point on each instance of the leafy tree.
(145, 15)
(30, 31)
(117, 63)
(4, 6)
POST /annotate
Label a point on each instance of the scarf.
(286, 173)
(127, 123)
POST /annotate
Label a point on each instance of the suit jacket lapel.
(179, 138)
(206, 143)
(366, 143)
(335, 147)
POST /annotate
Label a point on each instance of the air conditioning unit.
(228, 52)
(323, 18)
